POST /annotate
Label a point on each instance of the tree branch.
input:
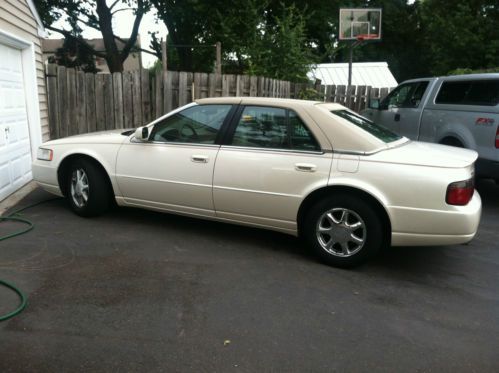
(135, 30)
(137, 48)
(114, 4)
(77, 39)
(120, 10)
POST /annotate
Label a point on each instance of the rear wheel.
(451, 141)
(343, 231)
(87, 189)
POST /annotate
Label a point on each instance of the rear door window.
(273, 128)
(469, 92)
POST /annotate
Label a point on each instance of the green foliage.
(310, 94)
(461, 34)
(74, 55)
(96, 14)
(253, 39)
(280, 49)
(155, 68)
(461, 71)
(282, 38)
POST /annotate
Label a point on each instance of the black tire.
(451, 141)
(358, 210)
(98, 190)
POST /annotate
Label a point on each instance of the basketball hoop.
(363, 37)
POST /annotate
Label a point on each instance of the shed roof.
(374, 74)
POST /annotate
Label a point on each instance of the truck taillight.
(497, 138)
(460, 192)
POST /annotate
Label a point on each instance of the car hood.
(427, 154)
(102, 137)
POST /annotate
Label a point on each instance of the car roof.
(486, 76)
(472, 76)
(288, 102)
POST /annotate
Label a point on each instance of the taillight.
(497, 138)
(460, 192)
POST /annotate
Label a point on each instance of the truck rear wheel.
(452, 141)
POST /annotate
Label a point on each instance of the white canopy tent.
(374, 74)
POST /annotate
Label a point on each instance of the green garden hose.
(29, 226)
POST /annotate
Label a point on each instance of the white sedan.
(318, 170)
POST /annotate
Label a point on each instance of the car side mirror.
(142, 133)
(374, 103)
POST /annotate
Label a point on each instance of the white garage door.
(15, 151)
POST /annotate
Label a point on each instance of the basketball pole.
(353, 44)
(350, 60)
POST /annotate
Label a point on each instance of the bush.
(462, 71)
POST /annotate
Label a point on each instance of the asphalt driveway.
(142, 291)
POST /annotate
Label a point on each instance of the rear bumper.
(487, 168)
(420, 227)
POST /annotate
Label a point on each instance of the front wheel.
(87, 189)
(343, 230)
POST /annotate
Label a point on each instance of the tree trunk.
(113, 57)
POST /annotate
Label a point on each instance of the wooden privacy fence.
(85, 102)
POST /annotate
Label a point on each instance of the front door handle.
(397, 117)
(199, 158)
(305, 167)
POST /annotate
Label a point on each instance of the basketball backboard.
(360, 24)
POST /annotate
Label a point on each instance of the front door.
(15, 149)
(270, 164)
(400, 111)
(174, 169)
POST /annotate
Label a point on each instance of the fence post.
(62, 99)
(218, 46)
(127, 99)
(72, 123)
(54, 123)
(118, 100)
(100, 108)
(108, 101)
(81, 97)
(146, 95)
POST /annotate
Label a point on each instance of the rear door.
(269, 162)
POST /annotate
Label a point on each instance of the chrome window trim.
(133, 141)
(273, 150)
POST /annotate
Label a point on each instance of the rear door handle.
(397, 117)
(199, 158)
(305, 167)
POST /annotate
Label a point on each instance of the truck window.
(405, 96)
(469, 92)
(418, 94)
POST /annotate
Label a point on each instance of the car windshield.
(382, 133)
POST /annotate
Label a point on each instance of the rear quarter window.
(469, 92)
(382, 133)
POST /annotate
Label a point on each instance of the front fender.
(104, 154)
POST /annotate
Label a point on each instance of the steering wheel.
(191, 128)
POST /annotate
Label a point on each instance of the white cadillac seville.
(318, 170)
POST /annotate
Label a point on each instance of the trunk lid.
(427, 154)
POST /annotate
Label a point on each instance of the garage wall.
(16, 18)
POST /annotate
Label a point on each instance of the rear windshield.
(382, 133)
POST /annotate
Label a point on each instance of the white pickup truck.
(459, 110)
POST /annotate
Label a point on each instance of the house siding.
(16, 18)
